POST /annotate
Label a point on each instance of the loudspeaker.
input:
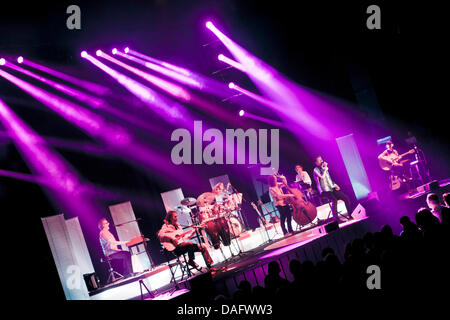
(359, 212)
(332, 226)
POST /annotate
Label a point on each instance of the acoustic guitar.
(170, 242)
(387, 164)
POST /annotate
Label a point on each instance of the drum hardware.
(263, 221)
(206, 199)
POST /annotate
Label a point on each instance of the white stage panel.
(68, 263)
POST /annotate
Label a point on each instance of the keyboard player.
(111, 250)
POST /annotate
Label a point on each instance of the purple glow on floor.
(87, 85)
(289, 247)
(167, 109)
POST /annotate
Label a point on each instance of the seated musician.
(111, 251)
(304, 179)
(391, 156)
(279, 198)
(302, 176)
(168, 233)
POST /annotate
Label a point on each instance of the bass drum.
(235, 226)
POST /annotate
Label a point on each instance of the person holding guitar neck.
(279, 197)
(390, 161)
(172, 238)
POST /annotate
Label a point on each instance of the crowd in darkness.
(414, 261)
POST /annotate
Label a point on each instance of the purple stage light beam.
(92, 123)
(168, 110)
(231, 62)
(117, 139)
(90, 100)
(280, 90)
(167, 72)
(276, 124)
(160, 62)
(79, 95)
(86, 85)
(170, 88)
(49, 167)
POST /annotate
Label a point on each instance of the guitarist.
(170, 232)
(391, 156)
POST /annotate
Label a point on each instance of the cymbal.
(182, 208)
(205, 199)
(188, 201)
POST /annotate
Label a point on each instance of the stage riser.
(311, 251)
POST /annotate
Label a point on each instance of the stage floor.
(251, 248)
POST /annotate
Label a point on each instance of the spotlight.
(2, 61)
(83, 54)
(114, 51)
(241, 113)
(98, 53)
(231, 85)
(220, 57)
(20, 59)
(209, 25)
(126, 50)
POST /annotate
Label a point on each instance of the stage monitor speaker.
(359, 212)
(332, 226)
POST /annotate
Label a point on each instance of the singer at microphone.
(328, 189)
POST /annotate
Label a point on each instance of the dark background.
(313, 43)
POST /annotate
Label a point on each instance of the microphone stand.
(243, 218)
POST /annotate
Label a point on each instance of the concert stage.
(246, 258)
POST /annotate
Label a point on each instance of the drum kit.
(221, 218)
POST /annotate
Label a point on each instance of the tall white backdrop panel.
(127, 228)
(70, 254)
